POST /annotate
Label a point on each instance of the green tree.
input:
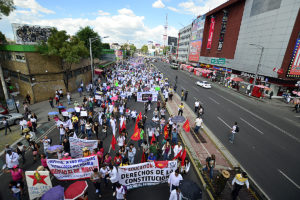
(87, 32)
(144, 49)
(6, 7)
(2, 38)
(105, 46)
(69, 49)
(166, 49)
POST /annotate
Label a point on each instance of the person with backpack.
(120, 191)
(235, 129)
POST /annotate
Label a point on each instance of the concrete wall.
(74, 82)
(24, 87)
(271, 29)
(43, 90)
(39, 64)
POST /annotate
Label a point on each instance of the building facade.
(30, 72)
(184, 36)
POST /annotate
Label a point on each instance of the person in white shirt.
(177, 149)
(113, 125)
(133, 115)
(186, 167)
(69, 98)
(113, 176)
(197, 104)
(233, 132)
(198, 124)
(176, 194)
(120, 192)
(131, 151)
(121, 140)
(46, 144)
(104, 172)
(174, 179)
(12, 159)
(62, 133)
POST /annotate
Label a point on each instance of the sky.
(134, 21)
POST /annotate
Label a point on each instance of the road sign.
(216, 61)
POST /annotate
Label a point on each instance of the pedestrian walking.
(51, 102)
(182, 95)
(176, 194)
(235, 129)
(6, 125)
(21, 149)
(174, 179)
(46, 143)
(200, 111)
(197, 105)
(180, 109)
(131, 151)
(113, 177)
(96, 180)
(238, 182)
(198, 124)
(166, 150)
(186, 95)
(69, 98)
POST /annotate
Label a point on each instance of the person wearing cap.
(176, 194)
(221, 181)
(86, 152)
(238, 182)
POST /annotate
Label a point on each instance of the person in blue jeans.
(174, 136)
(210, 165)
(82, 125)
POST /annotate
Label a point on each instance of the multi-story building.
(255, 37)
(184, 36)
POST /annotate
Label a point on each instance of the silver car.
(12, 118)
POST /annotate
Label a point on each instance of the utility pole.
(3, 84)
(259, 62)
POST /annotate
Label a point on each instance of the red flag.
(166, 132)
(143, 158)
(178, 155)
(136, 135)
(123, 126)
(139, 117)
(183, 157)
(136, 127)
(186, 126)
(153, 138)
(161, 164)
(113, 142)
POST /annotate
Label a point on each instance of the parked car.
(13, 118)
(203, 84)
(3, 110)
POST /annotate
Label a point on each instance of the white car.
(12, 118)
(203, 84)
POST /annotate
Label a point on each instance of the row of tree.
(144, 50)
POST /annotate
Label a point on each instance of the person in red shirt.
(117, 159)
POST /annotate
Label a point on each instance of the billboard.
(172, 41)
(294, 67)
(196, 38)
(211, 32)
(119, 54)
(30, 34)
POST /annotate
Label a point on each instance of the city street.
(268, 143)
(160, 192)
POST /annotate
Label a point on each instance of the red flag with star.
(113, 142)
(186, 126)
(37, 178)
(183, 157)
(139, 118)
(161, 164)
(136, 135)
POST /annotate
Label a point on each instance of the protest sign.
(145, 174)
(77, 109)
(65, 114)
(143, 96)
(38, 183)
(83, 113)
(73, 169)
(97, 97)
(76, 146)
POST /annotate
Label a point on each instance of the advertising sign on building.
(73, 169)
(30, 34)
(211, 33)
(294, 68)
(38, 182)
(145, 174)
(196, 38)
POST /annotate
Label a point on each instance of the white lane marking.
(224, 122)
(251, 125)
(288, 178)
(267, 122)
(297, 116)
(213, 100)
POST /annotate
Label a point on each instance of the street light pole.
(91, 54)
(259, 62)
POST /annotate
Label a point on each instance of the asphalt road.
(157, 192)
(268, 143)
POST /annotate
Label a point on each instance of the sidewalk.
(202, 145)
